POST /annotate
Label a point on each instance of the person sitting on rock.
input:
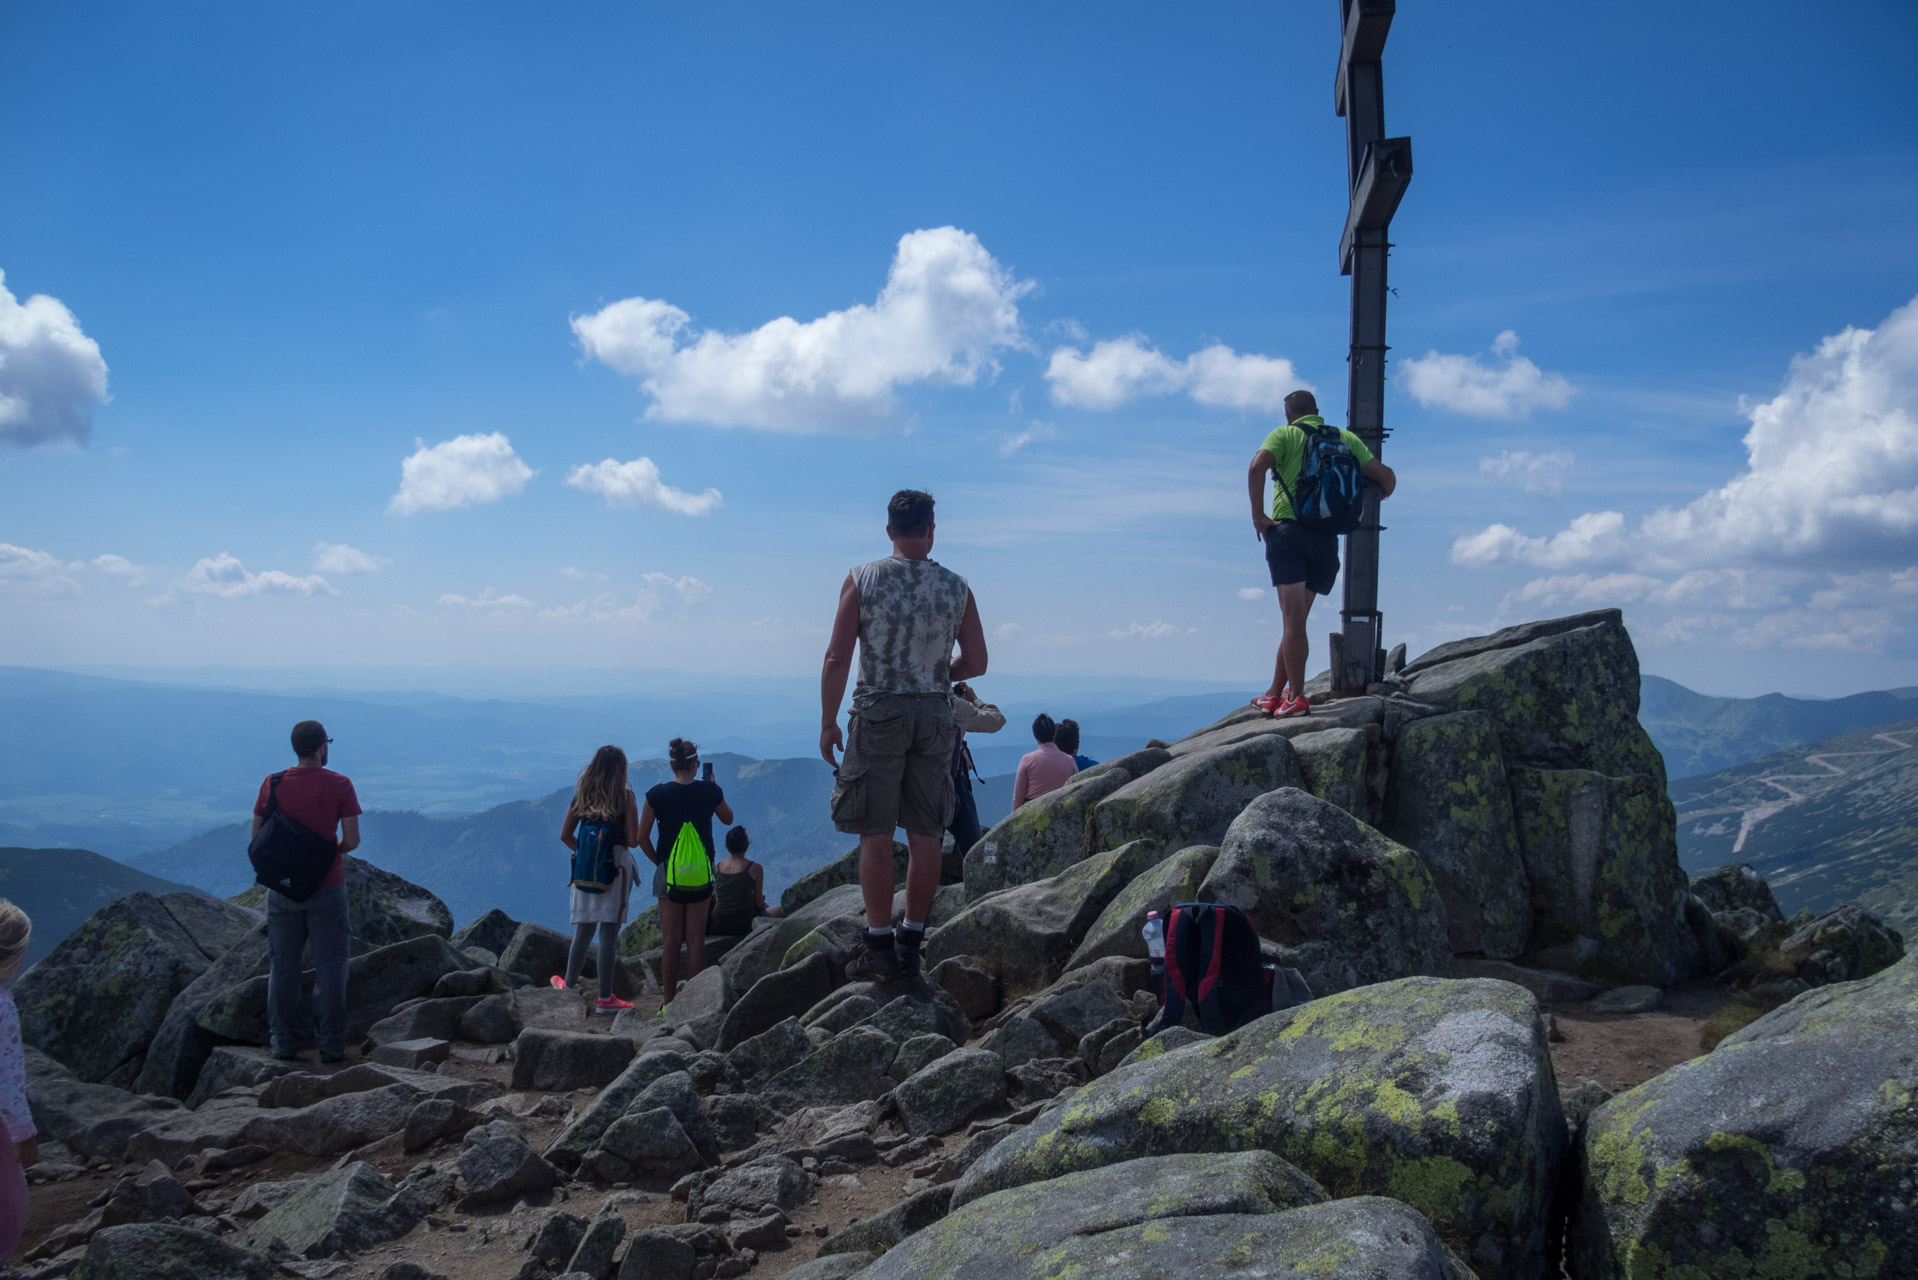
(319, 800)
(687, 799)
(1304, 563)
(1066, 738)
(22, 1145)
(904, 613)
(1044, 770)
(602, 796)
(739, 890)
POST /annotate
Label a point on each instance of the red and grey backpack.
(1213, 962)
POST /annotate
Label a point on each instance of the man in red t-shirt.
(323, 801)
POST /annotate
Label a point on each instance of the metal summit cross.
(1379, 169)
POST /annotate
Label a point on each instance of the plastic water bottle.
(1155, 940)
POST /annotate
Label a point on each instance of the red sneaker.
(1267, 703)
(1293, 707)
(612, 1004)
(559, 983)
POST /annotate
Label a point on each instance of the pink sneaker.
(611, 1004)
(559, 983)
(1267, 703)
(1293, 707)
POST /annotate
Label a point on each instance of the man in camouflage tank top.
(904, 613)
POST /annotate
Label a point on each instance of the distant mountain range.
(1701, 734)
(60, 888)
(1832, 822)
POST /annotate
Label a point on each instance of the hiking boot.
(1293, 707)
(906, 944)
(875, 964)
(612, 1004)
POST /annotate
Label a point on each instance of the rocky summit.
(1443, 869)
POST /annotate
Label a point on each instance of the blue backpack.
(1331, 494)
(593, 864)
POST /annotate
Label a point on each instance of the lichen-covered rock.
(1136, 764)
(1042, 837)
(764, 950)
(976, 990)
(759, 1058)
(903, 1009)
(557, 1061)
(537, 952)
(1434, 1092)
(1117, 930)
(1448, 799)
(951, 1090)
(163, 1251)
(777, 1181)
(91, 1119)
(1247, 722)
(584, 1129)
(1248, 1213)
(1333, 763)
(1195, 798)
(883, 1230)
(1349, 906)
(773, 999)
(491, 932)
(850, 1068)
(1737, 887)
(642, 933)
(180, 1047)
(1790, 1150)
(1608, 896)
(95, 1001)
(1563, 693)
(842, 870)
(376, 982)
(1026, 934)
(339, 1212)
(1843, 945)
(383, 908)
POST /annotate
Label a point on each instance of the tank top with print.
(909, 615)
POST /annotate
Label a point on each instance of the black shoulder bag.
(287, 857)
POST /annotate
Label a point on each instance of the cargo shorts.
(897, 770)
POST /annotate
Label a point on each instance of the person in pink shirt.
(1043, 770)
(22, 1147)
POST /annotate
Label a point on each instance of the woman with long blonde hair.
(22, 1147)
(605, 815)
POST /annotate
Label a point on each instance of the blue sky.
(1653, 338)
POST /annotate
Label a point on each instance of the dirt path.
(1621, 1050)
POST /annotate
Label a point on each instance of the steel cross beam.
(1378, 169)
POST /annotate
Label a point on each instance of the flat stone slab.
(1627, 1000)
(413, 1053)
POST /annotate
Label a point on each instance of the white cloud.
(946, 307)
(1536, 472)
(1007, 631)
(121, 567)
(488, 599)
(605, 607)
(1582, 589)
(1511, 388)
(581, 575)
(51, 374)
(689, 589)
(1594, 536)
(637, 484)
(1251, 593)
(26, 572)
(462, 472)
(225, 577)
(1020, 439)
(1158, 629)
(337, 557)
(1122, 369)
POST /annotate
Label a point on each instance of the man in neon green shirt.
(1304, 563)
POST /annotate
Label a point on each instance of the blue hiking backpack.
(593, 865)
(1331, 493)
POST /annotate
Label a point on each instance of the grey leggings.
(608, 955)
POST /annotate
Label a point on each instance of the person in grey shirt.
(904, 613)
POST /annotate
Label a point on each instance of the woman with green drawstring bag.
(683, 812)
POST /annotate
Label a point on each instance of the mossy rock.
(1117, 931)
(96, 1001)
(1789, 1150)
(841, 870)
(1195, 798)
(1448, 799)
(491, 932)
(1026, 934)
(642, 933)
(383, 908)
(1562, 693)
(764, 949)
(1737, 887)
(1434, 1092)
(1349, 906)
(1042, 837)
(1608, 895)
(1248, 722)
(1333, 763)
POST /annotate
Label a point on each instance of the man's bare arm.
(1262, 462)
(971, 662)
(349, 834)
(837, 670)
(1382, 476)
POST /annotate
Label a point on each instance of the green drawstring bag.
(689, 871)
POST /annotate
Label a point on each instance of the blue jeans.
(322, 922)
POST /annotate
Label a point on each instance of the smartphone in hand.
(707, 772)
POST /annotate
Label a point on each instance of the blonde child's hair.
(15, 932)
(602, 785)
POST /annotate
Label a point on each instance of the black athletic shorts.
(1296, 554)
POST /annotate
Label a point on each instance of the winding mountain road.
(1757, 813)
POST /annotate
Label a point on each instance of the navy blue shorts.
(1297, 554)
